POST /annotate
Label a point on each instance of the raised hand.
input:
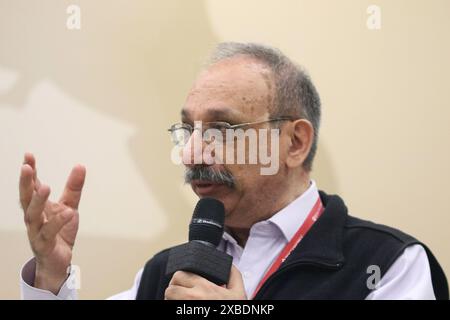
(51, 226)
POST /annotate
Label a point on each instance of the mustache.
(210, 174)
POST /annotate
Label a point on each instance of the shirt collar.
(291, 217)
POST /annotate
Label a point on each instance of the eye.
(180, 133)
(219, 125)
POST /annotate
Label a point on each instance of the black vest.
(331, 261)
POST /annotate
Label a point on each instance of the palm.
(61, 250)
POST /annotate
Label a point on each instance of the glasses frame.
(226, 125)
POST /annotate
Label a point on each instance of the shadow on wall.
(133, 62)
(323, 171)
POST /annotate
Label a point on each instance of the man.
(288, 239)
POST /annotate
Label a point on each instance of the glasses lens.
(180, 136)
(213, 135)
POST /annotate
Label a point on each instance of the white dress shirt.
(408, 278)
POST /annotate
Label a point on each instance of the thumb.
(235, 282)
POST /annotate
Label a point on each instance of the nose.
(192, 153)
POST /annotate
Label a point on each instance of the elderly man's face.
(235, 90)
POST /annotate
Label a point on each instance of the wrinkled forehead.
(232, 90)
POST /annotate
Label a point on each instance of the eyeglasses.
(181, 132)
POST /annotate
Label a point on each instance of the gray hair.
(295, 94)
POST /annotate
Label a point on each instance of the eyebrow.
(216, 113)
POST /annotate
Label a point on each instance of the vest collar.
(323, 243)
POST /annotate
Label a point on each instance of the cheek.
(284, 148)
(248, 178)
(242, 173)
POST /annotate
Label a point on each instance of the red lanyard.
(315, 213)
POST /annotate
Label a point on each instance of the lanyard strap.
(315, 213)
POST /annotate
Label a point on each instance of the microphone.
(200, 255)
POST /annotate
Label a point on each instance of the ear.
(301, 138)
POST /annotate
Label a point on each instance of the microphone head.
(207, 221)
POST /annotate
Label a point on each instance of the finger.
(235, 281)
(34, 216)
(185, 279)
(174, 292)
(74, 185)
(31, 161)
(26, 186)
(51, 228)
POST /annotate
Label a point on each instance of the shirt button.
(247, 274)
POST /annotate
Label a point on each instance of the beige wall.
(104, 95)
